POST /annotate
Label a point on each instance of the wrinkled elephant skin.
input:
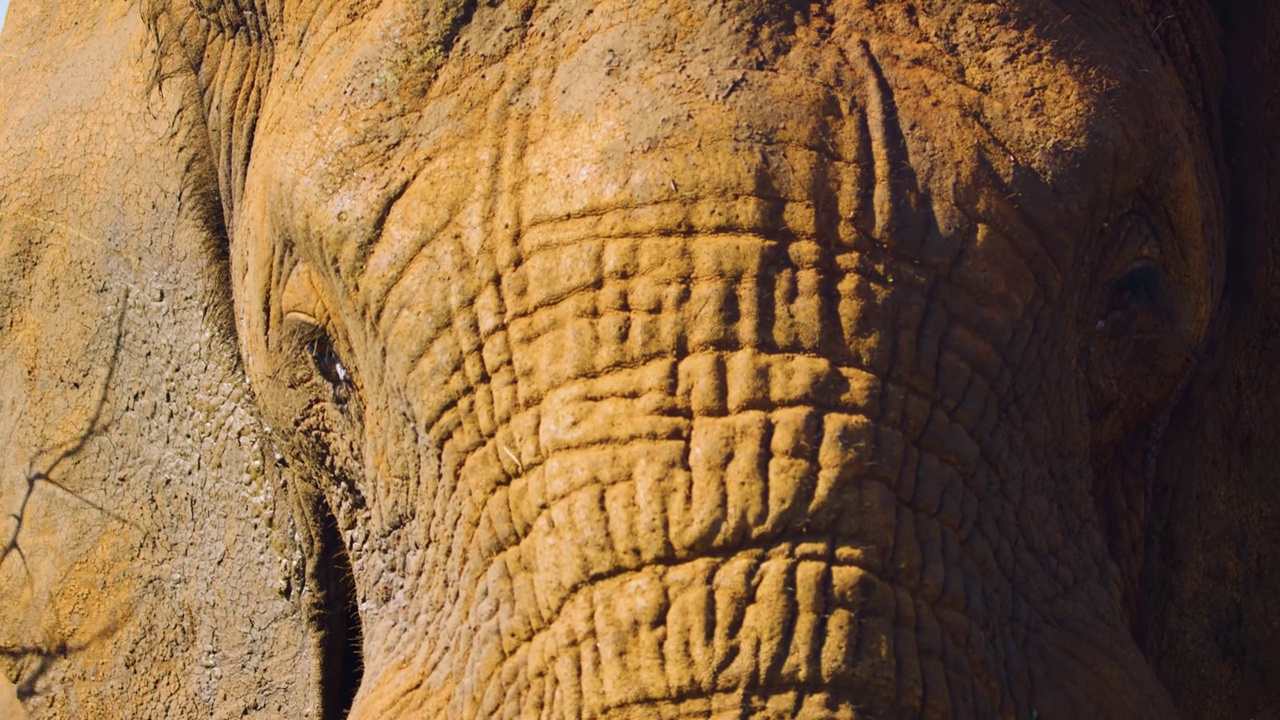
(753, 359)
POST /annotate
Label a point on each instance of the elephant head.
(640, 359)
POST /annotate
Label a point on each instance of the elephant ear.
(149, 563)
(1211, 621)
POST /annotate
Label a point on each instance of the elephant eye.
(1141, 288)
(1141, 285)
(329, 364)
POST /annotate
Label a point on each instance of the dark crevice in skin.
(1244, 256)
(191, 40)
(455, 22)
(201, 188)
(335, 618)
(750, 703)
(201, 193)
(1166, 549)
(894, 205)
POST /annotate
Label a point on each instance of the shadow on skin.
(35, 660)
(9, 705)
(69, 451)
(43, 656)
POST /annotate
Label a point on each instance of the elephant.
(630, 359)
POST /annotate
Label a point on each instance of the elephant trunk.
(703, 505)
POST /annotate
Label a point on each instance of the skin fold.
(643, 359)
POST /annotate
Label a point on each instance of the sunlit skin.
(630, 359)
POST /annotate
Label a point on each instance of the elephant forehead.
(552, 112)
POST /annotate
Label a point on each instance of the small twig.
(135, 261)
(516, 460)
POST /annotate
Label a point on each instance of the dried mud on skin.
(683, 363)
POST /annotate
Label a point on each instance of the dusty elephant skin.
(642, 359)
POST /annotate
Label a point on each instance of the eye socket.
(1141, 286)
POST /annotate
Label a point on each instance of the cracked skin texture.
(150, 514)
(634, 359)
